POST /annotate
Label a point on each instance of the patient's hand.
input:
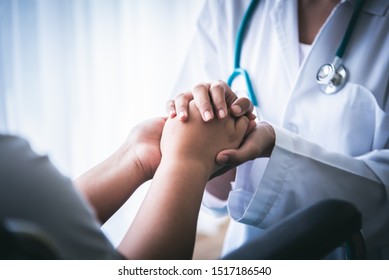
(196, 141)
(110, 183)
(143, 146)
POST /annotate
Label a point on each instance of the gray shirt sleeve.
(32, 189)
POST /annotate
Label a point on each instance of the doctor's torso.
(285, 86)
(287, 91)
(352, 122)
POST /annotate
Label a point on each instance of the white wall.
(77, 75)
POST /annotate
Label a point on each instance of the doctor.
(317, 145)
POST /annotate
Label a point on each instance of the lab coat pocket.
(371, 122)
(355, 120)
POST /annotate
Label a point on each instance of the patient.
(178, 156)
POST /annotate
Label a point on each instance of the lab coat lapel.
(322, 51)
(286, 27)
(323, 48)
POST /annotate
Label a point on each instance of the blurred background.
(77, 75)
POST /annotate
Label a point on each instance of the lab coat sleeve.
(300, 173)
(201, 57)
(213, 205)
(210, 56)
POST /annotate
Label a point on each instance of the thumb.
(231, 157)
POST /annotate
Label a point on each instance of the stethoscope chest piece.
(331, 78)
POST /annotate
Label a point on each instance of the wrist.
(185, 180)
(128, 165)
(186, 164)
(110, 183)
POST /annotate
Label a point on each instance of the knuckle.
(222, 82)
(217, 86)
(201, 87)
(187, 95)
(183, 97)
(217, 99)
(204, 105)
(182, 106)
(244, 103)
(178, 97)
(243, 100)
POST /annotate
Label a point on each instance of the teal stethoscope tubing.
(350, 28)
(238, 70)
(238, 51)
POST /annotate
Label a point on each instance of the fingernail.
(207, 115)
(181, 115)
(222, 114)
(172, 114)
(236, 109)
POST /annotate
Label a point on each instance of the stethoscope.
(331, 77)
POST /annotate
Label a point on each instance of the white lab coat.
(327, 146)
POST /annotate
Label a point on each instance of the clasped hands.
(208, 131)
(228, 131)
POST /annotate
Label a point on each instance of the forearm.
(109, 184)
(165, 226)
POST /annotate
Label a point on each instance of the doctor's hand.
(197, 143)
(210, 98)
(259, 143)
